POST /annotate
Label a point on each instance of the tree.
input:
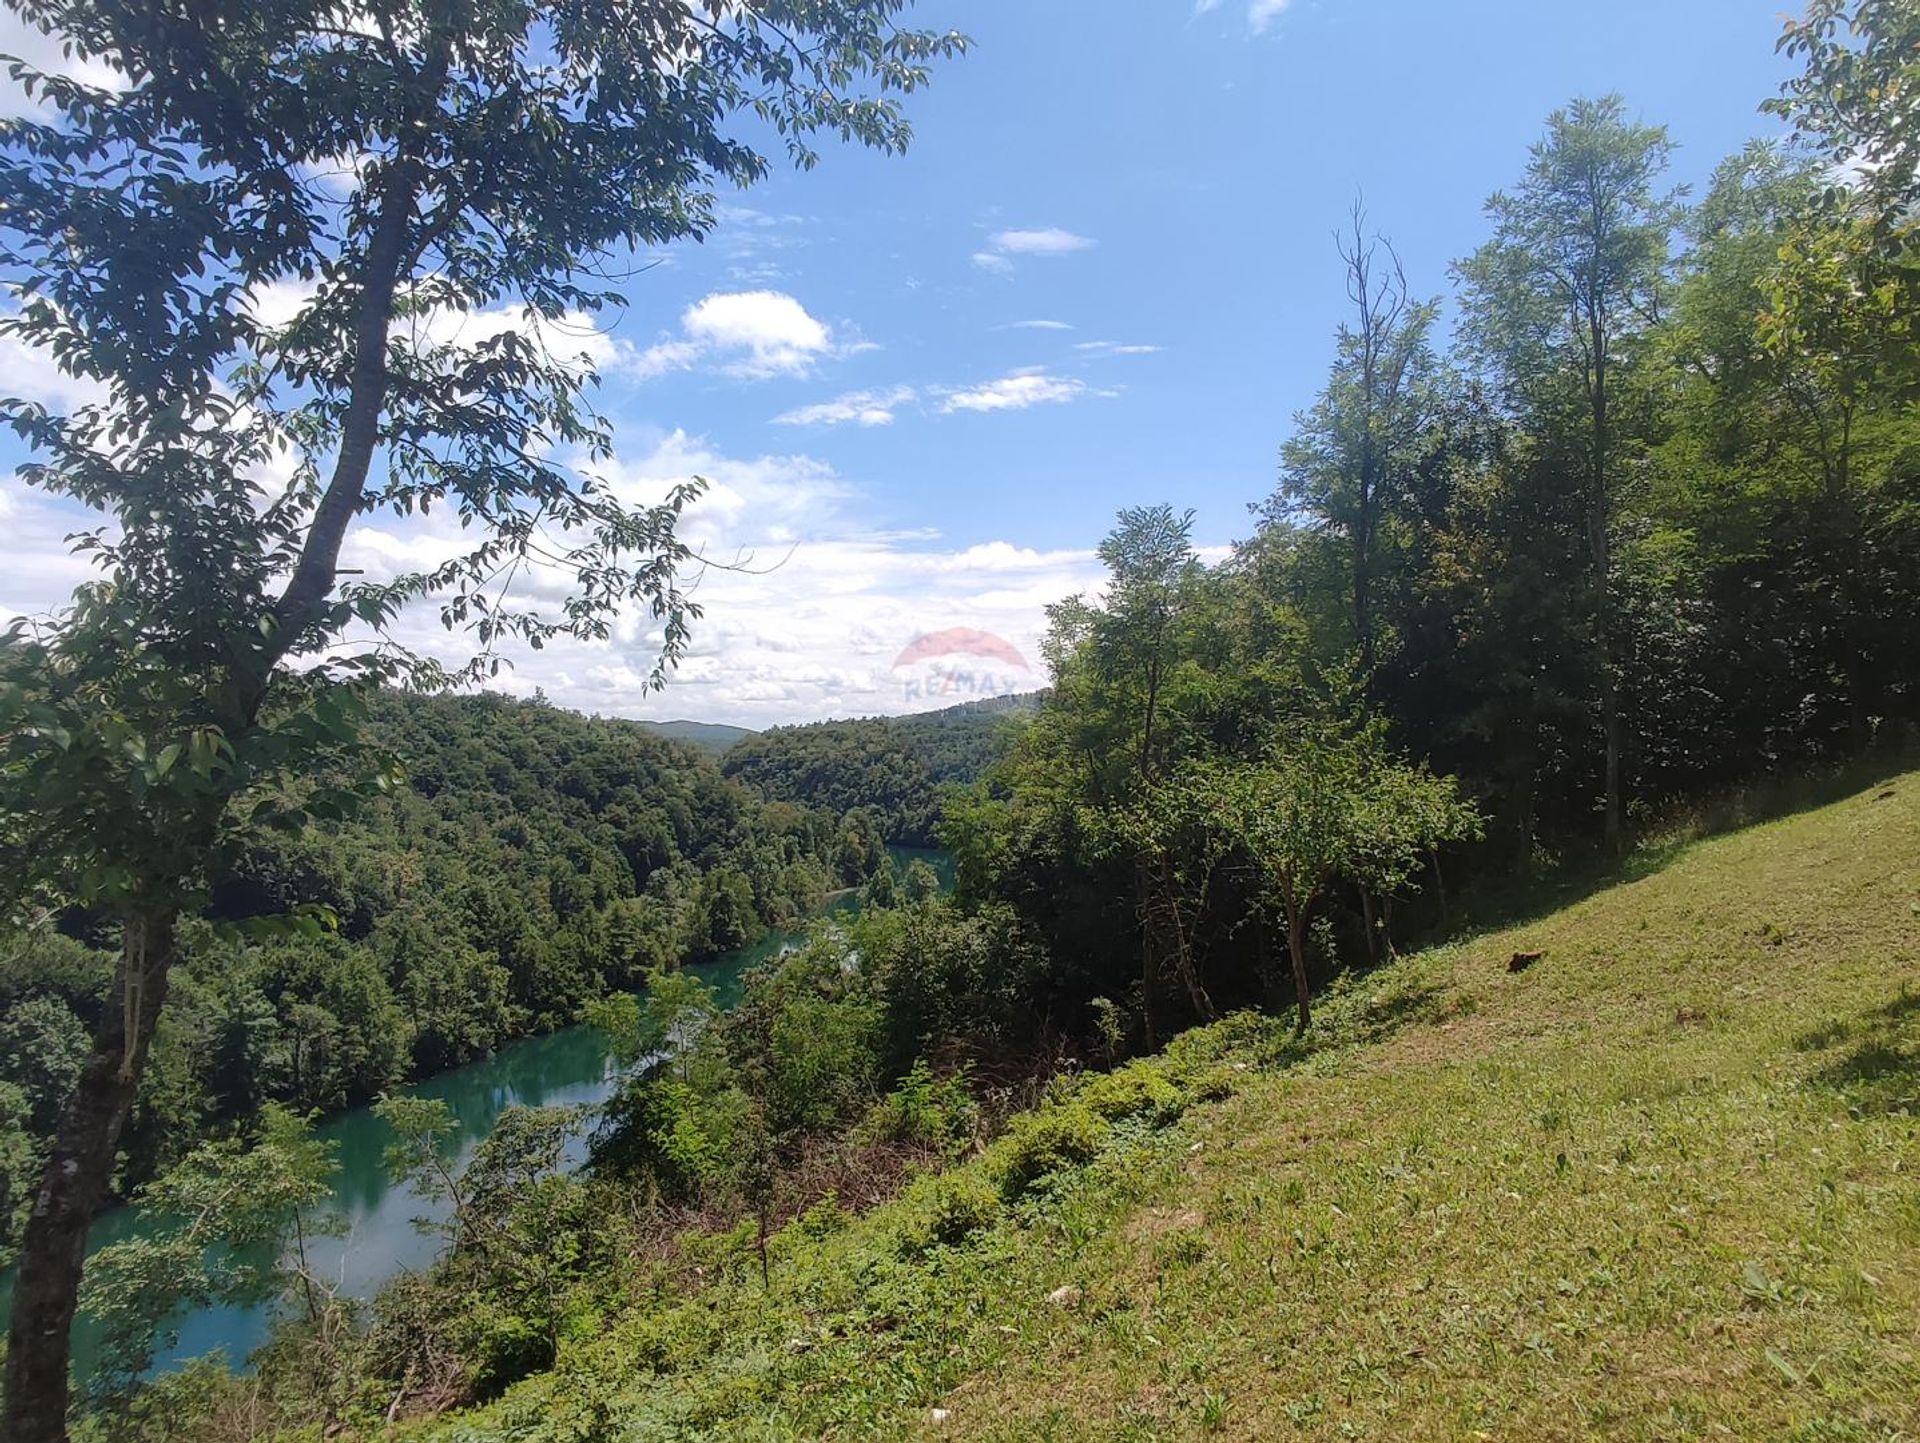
(1857, 103)
(922, 883)
(1130, 649)
(219, 1228)
(1576, 268)
(1349, 453)
(511, 1227)
(1324, 806)
(665, 1030)
(1795, 345)
(395, 169)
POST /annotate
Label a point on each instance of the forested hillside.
(534, 860)
(893, 769)
(1656, 1186)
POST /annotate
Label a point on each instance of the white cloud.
(762, 333)
(31, 374)
(574, 338)
(1016, 392)
(809, 625)
(750, 334)
(811, 620)
(1260, 13)
(1113, 348)
(42, 52)
(1037, 326)
(860, 408)
(1049, 242)
(38, 568)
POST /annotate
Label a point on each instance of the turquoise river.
(382, 1239)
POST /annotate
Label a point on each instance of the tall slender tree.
(1577, 269)
(1349, 454)
(318, 259)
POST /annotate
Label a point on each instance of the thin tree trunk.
(75, 1183)
(1297, 949)
(1149, 960)
(1598, 524)
(1368, 921)
(1610, 718)
(1182, 949)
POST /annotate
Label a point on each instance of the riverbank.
(379, 1238)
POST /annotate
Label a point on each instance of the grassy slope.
(1666, 1184)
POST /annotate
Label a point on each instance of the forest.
(1627, 527)
(897, 769)
(535, 861)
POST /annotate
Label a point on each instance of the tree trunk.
(1149, 959)
(1610, 718)
(75, 1183)
(1372, 926)
(1297, 949)
(1599, 527)
(1182, 949)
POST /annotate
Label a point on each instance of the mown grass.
(1665, 1184)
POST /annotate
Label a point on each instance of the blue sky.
(1103, 276)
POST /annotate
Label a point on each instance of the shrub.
(946, 1210)
(1136, 1090)
(1041, 1143)
(926, 1111)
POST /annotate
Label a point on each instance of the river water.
(570, 1068)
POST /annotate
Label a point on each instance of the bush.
(946, 1210)
(926, 1111)
(1042, 1143)
(1136, 1090)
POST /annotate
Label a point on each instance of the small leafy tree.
(228, 1224)
(1326, 806)
(664, 1030)
(260, 253)
(516, 1228)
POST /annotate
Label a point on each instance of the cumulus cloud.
(751, 334)
(574, 338)
(1018, 390)
(806, 616)
(38, 569)
(1050, 242)
(858, 408)
(32, 375)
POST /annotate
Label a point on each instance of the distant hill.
(894, 767)
(713, 738)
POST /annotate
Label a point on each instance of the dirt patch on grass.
(1151, 1223)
